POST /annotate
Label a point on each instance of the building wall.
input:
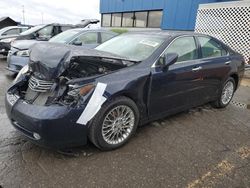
(228, 22)
(177, 14)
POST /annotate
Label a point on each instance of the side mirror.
(77, 43)
(169, 59)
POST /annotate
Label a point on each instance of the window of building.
(185, 47)
(106, 20)
(128, 19)
(154, 18)
(210, 48)
(133, 19)
(141, 19)
(117, 20)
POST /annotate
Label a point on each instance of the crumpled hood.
(24, 44)
(49, 60)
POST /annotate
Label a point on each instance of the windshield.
(32, 30)
(134, 47)
(64, 37)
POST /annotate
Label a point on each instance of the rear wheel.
(114, 124)
(227, 94)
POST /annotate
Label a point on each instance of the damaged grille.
(39, 85)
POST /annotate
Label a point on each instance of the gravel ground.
(204, 147)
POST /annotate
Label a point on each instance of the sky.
(50, 11)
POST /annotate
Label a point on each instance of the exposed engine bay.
(45, 92)
(62, 77)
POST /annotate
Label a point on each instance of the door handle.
(228, 62)
(197, 68)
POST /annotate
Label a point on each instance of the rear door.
(215, 63)
(179, 87)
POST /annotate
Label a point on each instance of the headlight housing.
(77, 94)
(24, 70)
(23, 53)
(77, 91)
(7, 40)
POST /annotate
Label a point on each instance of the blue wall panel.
(177, 14)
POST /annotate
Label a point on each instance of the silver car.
(18, 56)
(7, 34)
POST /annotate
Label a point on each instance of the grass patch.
(119, 31)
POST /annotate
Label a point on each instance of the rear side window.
(64, 28)
(185, 47)
(211, 48)
(106, 36)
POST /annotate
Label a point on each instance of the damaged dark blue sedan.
(68, 95)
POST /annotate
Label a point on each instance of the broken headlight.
(80, 90)
(23, 71)
(77, 94)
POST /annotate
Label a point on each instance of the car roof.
(13, 27)
(166, 33)
(91, 29)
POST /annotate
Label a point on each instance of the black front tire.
(95, 126)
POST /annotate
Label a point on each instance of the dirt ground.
(204, 147)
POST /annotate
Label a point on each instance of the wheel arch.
(236, 79)
(141, 105)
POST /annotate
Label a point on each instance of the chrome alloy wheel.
(118, 124)
(227, 93)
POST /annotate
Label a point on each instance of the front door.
(179, 87)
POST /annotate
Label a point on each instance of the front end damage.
(48, 100)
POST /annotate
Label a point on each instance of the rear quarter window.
(211, 48)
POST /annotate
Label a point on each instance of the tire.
(101, 128)
(222, 102)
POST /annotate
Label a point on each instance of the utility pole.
(23, 15)
(42, 17)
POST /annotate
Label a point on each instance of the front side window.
(116, 20)
(128, 19)
(45, 32)
(185, 47)
(210, 48)
(23, 29)
(87, 38)
(133, 47)
(154, 19)
(106, 20)
(11, 32)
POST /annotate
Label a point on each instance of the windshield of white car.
(133, 47)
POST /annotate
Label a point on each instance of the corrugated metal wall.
(177, 14)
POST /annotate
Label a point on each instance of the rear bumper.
(16, 63)
(55, 125)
